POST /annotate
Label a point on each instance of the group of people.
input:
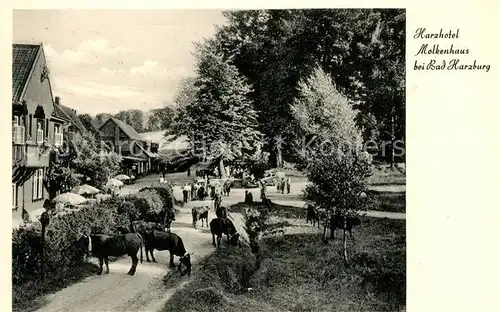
(282, 184)
(194, 191)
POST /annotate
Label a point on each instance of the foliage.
(133, 117)
(62, 253)
(258, 163)
(89, 123)
(338, 172)
(101, 118)
(362, 49)
(60, 178)
(160, 118)
(87, 158)
(165, 192)
(219, 115)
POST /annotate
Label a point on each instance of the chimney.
(57, 100)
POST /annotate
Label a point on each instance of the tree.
(160, 118)
(101, 118)
(334, 162)
(220, 115)
(132, 117)
(88, 122)
(88, 159)
(362, 50)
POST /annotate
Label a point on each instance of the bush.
(165, 192)
(146, 203)
(62, 254)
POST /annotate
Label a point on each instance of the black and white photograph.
(209, 160)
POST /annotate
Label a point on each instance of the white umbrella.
(122, 177)
(85, 189)
(114, 183)
(70, 198)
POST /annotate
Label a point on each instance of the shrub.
(62, 253)
(146, 203)
(165, 192)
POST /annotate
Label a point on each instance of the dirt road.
(145, 291)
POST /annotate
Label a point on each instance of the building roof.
(70, 115)
(127, 129)
(23, 59)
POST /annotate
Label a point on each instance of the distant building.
(37, 129)
(139, 156)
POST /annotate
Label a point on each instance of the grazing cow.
(220, 226)
(337, 222)
(167, 241)
(200, 213)
(103, 246)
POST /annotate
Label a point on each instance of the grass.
(301, 273)
(388, 201)
(384, 175)
(289, 212)
(29, 296)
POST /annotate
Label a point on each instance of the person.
(162, 180)
(248, 197)
(193, 191)
(278, 185)
(185, 193)
(288, 185)
(189, 172)
(282, 185)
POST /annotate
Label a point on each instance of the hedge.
(62, 254)
(61, 251)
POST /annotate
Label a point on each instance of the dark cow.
(103, 246)
(221, 212)
(168, 241)
(220, 226)
(337, 222)
(142, 227)
(312, 215)
(165, 217)
(200, 213)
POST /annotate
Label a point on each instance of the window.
(38, 184)
(30, 131)
(14, 196)
(39, 131)
(17, 131)
(58, 135)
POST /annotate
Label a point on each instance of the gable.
(37, 91)
(23, 58)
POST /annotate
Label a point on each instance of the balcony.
(18, 135)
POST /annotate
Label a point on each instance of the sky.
(105, 61)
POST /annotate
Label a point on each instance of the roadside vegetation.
(299, 272)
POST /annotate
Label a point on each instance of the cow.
(220, 226)
(200, 213)
(221, 212)
(168, 241)
(165, 217)
(103, 246)
(142, 227)
(312, 215)
(337, 222)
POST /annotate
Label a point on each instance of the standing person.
(185, 193)
(278, 186)
(189, 172)
(283, 185)
(288, 185)
(161, 180)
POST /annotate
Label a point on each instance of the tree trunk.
(222, 170)
(279, 158)
(345, 241)
(393, 138)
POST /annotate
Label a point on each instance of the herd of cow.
(153, 235)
